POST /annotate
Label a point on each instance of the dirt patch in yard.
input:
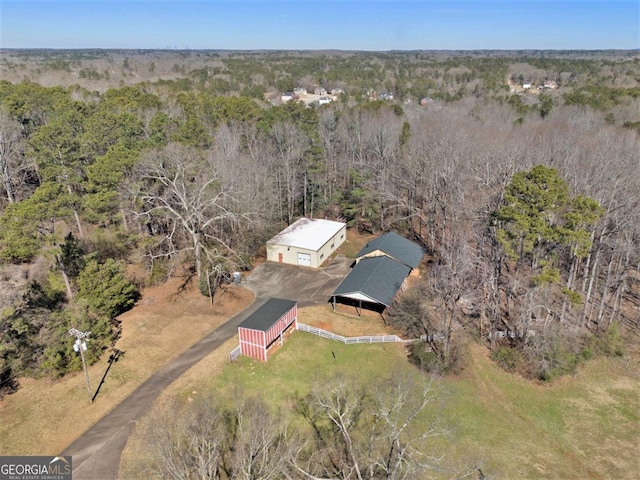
(323, 316)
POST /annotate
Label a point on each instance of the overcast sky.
(321, 24)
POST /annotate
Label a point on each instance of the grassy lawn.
(580, 427)
(354, 243)
(585, 426)
(291, 372)
(294, 369)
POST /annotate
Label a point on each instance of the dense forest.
(119, 169)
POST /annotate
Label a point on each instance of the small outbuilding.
(375, 281)
(266, 326)
(393, 246)
(307, 242)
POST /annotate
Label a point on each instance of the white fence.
(235, 353)
(350, 340)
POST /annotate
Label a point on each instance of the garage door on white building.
(304, 259)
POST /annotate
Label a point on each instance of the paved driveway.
(307, 286)
(96, 454)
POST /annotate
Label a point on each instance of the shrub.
(424, 358)
(559, 353)
(106, 289)
(59, 356)
(610, 343)
(508, 358)
(431, 358)
(8, 382)
(160, 272)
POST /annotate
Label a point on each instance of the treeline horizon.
(518, 52)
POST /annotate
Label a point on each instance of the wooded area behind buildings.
(527, 202)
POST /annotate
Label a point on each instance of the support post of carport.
(359, 310)
(333, 302)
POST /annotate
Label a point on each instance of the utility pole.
(80, 345)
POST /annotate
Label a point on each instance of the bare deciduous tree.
(189, 197)
(369, 433)
(289, 144)
(261, 445)
(207, 440)
(188, 445)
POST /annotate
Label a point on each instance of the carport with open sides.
(375, 281)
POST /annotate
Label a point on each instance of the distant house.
(550, 84)
(300, 91)
(287, 97)
(324, 100)
(337, 91)
(526, 86)
(320, 91)
(385, 96)
(425, 101)
(307, 242)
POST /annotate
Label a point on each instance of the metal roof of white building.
(307, 233)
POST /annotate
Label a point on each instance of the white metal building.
(307, 242)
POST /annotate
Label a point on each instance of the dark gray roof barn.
(268, 314)
(395, 246)
(375, 280)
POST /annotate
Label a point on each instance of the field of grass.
(581, 427)
(586, 426)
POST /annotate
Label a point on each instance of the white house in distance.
(307, 242)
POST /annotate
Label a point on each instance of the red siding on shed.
(281, 325)
(254, 343)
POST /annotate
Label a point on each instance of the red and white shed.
(265, 326)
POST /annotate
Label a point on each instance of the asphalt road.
(96, 454)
